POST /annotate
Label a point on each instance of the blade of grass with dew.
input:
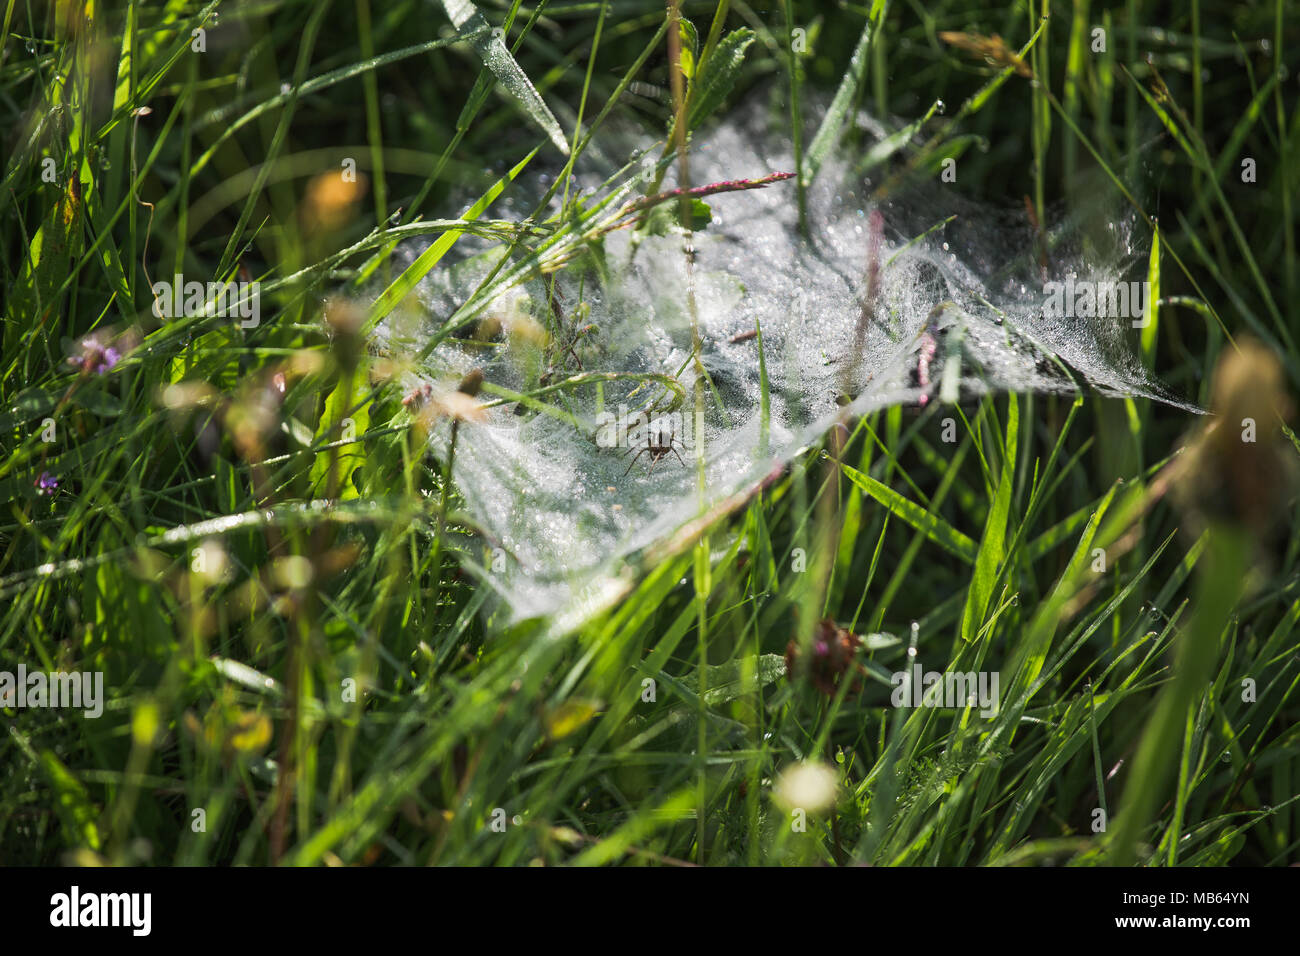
(832, 124)
(492, 51)
(929, 524)
(405, 283)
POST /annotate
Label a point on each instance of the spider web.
(565, 527)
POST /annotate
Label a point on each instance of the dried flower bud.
(472, 382)
(1240, 468)
(830, 657)
(418, 397)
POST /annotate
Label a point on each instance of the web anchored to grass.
(923, 299)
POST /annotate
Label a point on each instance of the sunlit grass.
(244, 530)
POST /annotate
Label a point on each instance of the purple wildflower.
(95, 356)
(46, 483)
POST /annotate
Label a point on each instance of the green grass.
(233, 558)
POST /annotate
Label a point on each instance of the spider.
(657, 447)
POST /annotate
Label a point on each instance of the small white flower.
(809, 786)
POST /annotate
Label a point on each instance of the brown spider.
(657, 447)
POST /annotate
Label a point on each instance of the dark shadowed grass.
(243, 529)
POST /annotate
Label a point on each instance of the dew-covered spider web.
(848, 325)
